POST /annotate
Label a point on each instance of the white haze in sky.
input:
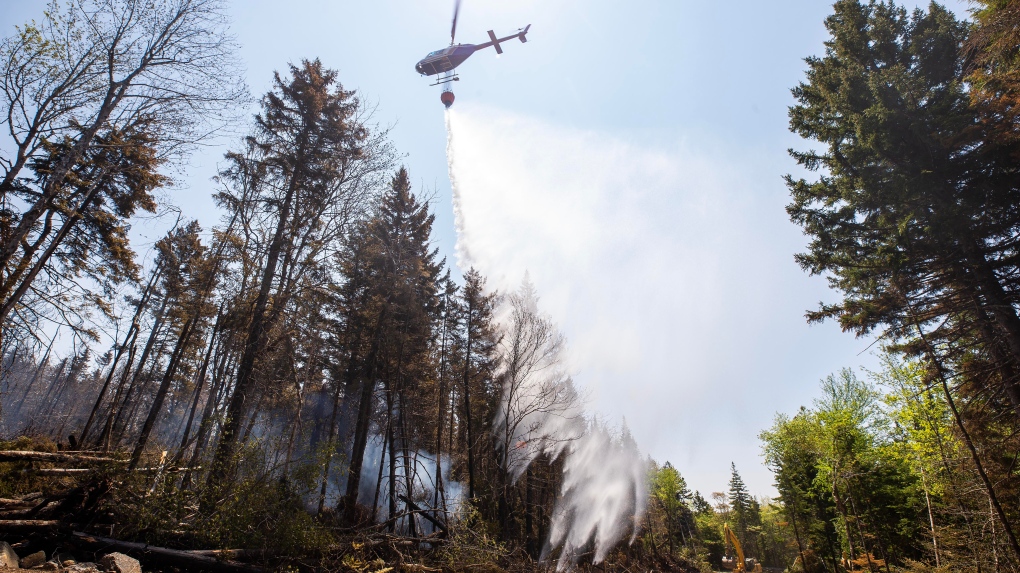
(669, 270)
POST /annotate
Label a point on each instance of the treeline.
(312, 347)
(684, 525)
(913, 219)
(874, 475)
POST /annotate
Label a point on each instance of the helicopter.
(446, 60)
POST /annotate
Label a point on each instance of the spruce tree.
(740, 504)
(914, 220)
(189, 277)
(699, 504)
(403, 303)
(306, 140)
(479, 343)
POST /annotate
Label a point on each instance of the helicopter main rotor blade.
(453, 29)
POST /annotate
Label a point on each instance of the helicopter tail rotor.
(523, 32)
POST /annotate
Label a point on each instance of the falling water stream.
(604, 489)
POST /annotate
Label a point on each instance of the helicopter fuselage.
(445, 60)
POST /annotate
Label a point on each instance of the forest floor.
(79, 507)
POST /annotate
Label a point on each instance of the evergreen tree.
(86, 234)
(404, 304)
(994, 70)
(478, 340)
(919, 232)
(92, 91)
(699, 504)
(670, 491)
(915, 231)
(740, 505)
(448, 329)
(189, 277)
(306, 146)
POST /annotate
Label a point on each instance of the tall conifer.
(402, 294)
(305, 140)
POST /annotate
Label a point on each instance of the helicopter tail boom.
(495, 42)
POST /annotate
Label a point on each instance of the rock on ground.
(33, 560)
(8, 558)
(120, 563)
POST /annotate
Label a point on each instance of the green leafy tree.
(844, 485)
(793, 453)
(671, 493)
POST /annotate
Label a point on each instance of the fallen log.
(23, 456)
(232, 554)
(80, 471)
(423, 513)
(220, 553)
(15, 513)
(5, 502)
(56, 471)
(29, 524)
(177, 557)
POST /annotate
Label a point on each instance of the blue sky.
(698, 339)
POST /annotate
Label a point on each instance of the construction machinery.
(738, 564)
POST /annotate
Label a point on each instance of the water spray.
(604, 490)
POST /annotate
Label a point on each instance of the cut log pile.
(81, 514)
(60, 518)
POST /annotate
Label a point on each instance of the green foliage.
(258, 510)
(474, 546)
(682, 528)
(669, 491)
(670, 488)
(853, 472)
(913, 220)
(895, 221)
(14, 482)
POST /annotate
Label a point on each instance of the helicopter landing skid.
(442, 81)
